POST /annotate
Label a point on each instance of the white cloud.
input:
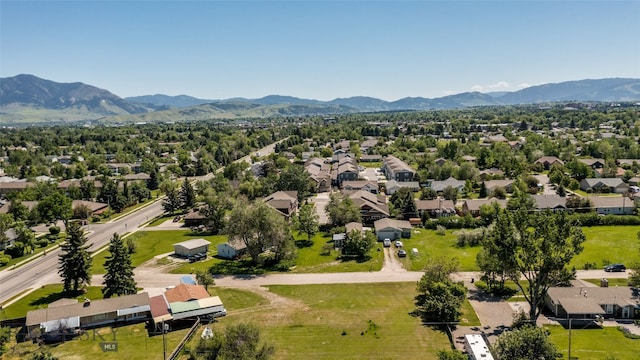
(499, 85)
(479, 88)
(449, 92)
(524, 85)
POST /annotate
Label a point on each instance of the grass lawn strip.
(608, 244)
(152, 243)
(43, 296)
(596, 343)
(343, 321)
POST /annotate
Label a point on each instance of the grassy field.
(152, 243)
(608, 244)
(309, 260)
(612, 282)
(355, 321)
(594, 344)
(431, 245)
(133, 343)
(40, 298)
(159, 220)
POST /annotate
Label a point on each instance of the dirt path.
(391, 261)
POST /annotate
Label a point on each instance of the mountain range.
(29, 99)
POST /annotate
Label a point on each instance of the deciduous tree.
(306, 221)
(341, 210)
(237, 342)
(439, 298)
(525, 343)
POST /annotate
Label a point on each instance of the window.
(609, 308)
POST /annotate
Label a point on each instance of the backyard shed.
(232, 249)
(191, 247)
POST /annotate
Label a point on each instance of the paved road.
(44, 270)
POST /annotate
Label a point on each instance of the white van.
(386, 242)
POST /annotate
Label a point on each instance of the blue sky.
(318, 49)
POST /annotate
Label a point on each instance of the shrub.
(42, 243)
(441, 230)
(589, 266)
(326, 249)
(54, 230)
(4, 259)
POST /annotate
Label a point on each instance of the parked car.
(402, 253)
(386, 242)
(615, 268)
(398, 243)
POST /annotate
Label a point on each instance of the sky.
(318, 49)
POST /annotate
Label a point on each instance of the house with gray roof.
(472, 206)
(436, 208)
(372, 207)
(613, 205)
(392, 229)
(396, 169)
(586, 303)
(392, 186)
(439, 186)
(550, 202)
(548, 161)
(604, 185)
(286, 202)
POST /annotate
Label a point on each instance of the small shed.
(191, 247)
(232, 249)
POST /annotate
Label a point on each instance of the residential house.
(366, 185)
(286, 202)
(372, 207)
(613, 205)
(232, 249)
(439, 186)
(11, 237)
(550, 202)
(194, 218)
(469, 158)
(472, 206)
(96, 208)
(589, 303)
(68, 314)
(392, 229)
(392, 186)
(8, 187)
(506, 184)
(370, 158)
(191, 247)
(185, 301)
(338, 239)
(604, 185)
(137, 177)
(396, 169)
(436, 208)
(343, 145)
(593, 163)
(548, 161)
(320, 174)
(627, 163)
(368, 144)
(347, 170)
(489, 174)
(339, 155)
(440, 161)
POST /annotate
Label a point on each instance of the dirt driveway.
(320, 201)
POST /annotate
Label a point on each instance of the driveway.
(320, 201)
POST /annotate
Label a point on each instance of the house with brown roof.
(370, 158)
(372, 207)
(194, 218)
(347, 170)
(286, 202)
(7, 187)
(185, 301)
(472, 206)
(506, 184)
(319, 173)
(436, 208)
(593, 163)
(69, 314)
(548, 161)
(137, 177)
(588, 303)
(366, 185)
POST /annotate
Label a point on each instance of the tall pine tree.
(119, 277)
(187, 194)
(75, 262)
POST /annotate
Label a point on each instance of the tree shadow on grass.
(48, 299)
(357, 259)
(304, 244)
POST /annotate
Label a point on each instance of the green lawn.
(40, 298)
(608, 244)
(371, 164)
(431, 245)
(596, 344)
(612, 282)
(348, 321)
(133, 343)
(152, 243)
(236, 299)
(309, 260)
(159, 220)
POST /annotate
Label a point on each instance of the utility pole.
(569, 338)
(164, 342)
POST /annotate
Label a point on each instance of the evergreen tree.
(483, 190)
(119, 277)
(153, 183)
(187, 194)
(75, 262)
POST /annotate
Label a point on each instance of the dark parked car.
(615, 268)
(402, 253)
